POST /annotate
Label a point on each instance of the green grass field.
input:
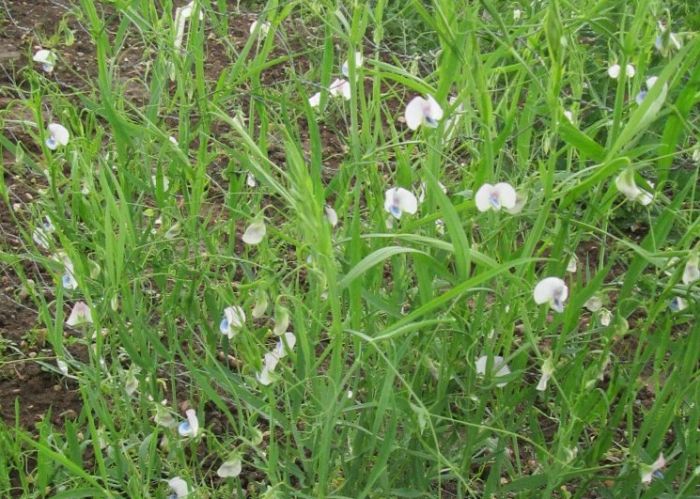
(219, 187)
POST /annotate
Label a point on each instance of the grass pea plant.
(362, 249)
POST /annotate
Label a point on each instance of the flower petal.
(614, 71)
(340, 87)
(482, 198)
(315, 99)
(498, 369)
(406, 201)
(626, 185)
(231, 468)
(264, 377)
(331, 215)
(414, 113)
(345, 68)
(506, 195)
(255, 233)
(80, 314)
(434, 111)
(178, 486)
(58, 134)
(547, 288)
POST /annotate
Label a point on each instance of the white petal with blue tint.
(179, 487)
(552, 291)
(58, 136)
(678, 304)
(285, 345)
(41, 235)
(189, 428)
(420, 111)
(495, 197)
(398, 200)
(648, 471)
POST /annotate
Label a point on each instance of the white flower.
(234, 319)
(626, 185)
(285, 345)
(189, 428)
(569, 115)
(57, 136)
(517, 14)
(678, 304)
(498, 369)
(340, 87)
(553, 291)
(254, 233)
(41, 234)
(331, 215)
(315, 99)
(345, 69)
(605, 316)
(264, 377)
(260, 306)
(250, 180)
(46, 58)
(264, 27)
(495, 197)
(179, 487)
(691, 273)
(422, 111)
(547, 371)
(68, 279)
(173, 141)
(182, 14)
(615, 69)
(572, 265)
(80, 314)
(648, 471)
(398, 200)
(667, 41)
(230, 468)
(650, 82)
